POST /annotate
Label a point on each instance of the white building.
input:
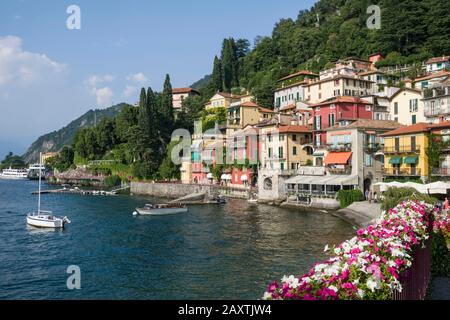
(438, 63)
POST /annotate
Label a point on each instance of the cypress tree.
(229, 64)
(217, 77)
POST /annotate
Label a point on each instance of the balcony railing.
(372, 147)
(402, 149)
(406, 172)
(340, 171)
(342, 147)
(440, 172)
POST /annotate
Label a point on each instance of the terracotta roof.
(340, 76)
(415, 128)
(229, 95)
(293, 129)
(370, 72)
(302, 72)
(183, 90)
(445, 124)
(342, 99)
(265, 110)
(300, 83)
(438, 59)
(369, 124)
(405, 89)
(439, 74)
(250, 104)
(289, 107)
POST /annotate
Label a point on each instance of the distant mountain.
(56, 140)
(203, 82)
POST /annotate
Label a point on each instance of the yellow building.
(286, 148)
(222, 100)
(48, 155)
(405, 152)
(242, 114)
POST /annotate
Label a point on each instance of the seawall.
(360, 214)
(170, 190)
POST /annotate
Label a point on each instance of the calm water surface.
(213, 252)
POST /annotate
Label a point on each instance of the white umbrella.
(210, 176)
(419, 187)
(438, 187)
(244, 178)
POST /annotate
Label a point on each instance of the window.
(269, 137)
(368, 160)
(280, 152)
(395, 108)
(282, 166)
(414, 119)
(413, 105)
(298, 96)
(270, 152)
(320, 96)
(294, 137)
(318, 123)
(396, 119)
(368, 108)
(294, 151)
(281, 137)
(331, 119)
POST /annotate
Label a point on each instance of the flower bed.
(369, 265)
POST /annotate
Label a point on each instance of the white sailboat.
(41, 218)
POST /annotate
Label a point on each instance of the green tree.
(167, 169)
(217, 76)
(13, 161)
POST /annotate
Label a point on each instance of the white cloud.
(129, 91)
(23, 68)
(103, 95)
(138, 78)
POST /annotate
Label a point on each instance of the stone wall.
(169, 190)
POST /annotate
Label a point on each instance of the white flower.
(361, 293)
(267, 296)
(333, 288)
(292, 281)
(372, 284)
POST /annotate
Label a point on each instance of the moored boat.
(14, 174)
(161, 209)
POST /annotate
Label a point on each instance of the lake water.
(212, 252)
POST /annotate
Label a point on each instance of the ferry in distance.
(14, 174)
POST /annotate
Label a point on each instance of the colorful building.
(222, 100)
(405, 152)
(437, 102)
(179, 94)
(335, 110)
(406, 106)
(438, 64)
(290, 89)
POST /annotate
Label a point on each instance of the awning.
(210, 176)
(338, 158)
(225, 177)
(324, 180)
(412, 160)
(244, 177)
(395, 160)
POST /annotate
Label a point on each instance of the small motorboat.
(161, 209)
(252, 200)
(221, 200)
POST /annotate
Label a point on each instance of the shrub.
(347, 197)
(393, 196)
(112, 181)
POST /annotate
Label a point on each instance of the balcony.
(441, 172)
(347, 170)
(401, 149)
(402, 172)
(372, 147)
(341, 147)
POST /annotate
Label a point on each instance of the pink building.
(179, 94)
(337, 110)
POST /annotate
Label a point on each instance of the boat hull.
(160, 212)
(45, 222)
(3, 177)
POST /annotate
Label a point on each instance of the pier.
(81, 192)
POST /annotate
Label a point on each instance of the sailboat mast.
(39, 195)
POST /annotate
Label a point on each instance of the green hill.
(54, 141)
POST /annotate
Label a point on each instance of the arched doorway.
(367, 184)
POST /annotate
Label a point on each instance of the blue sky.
(50, 75)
